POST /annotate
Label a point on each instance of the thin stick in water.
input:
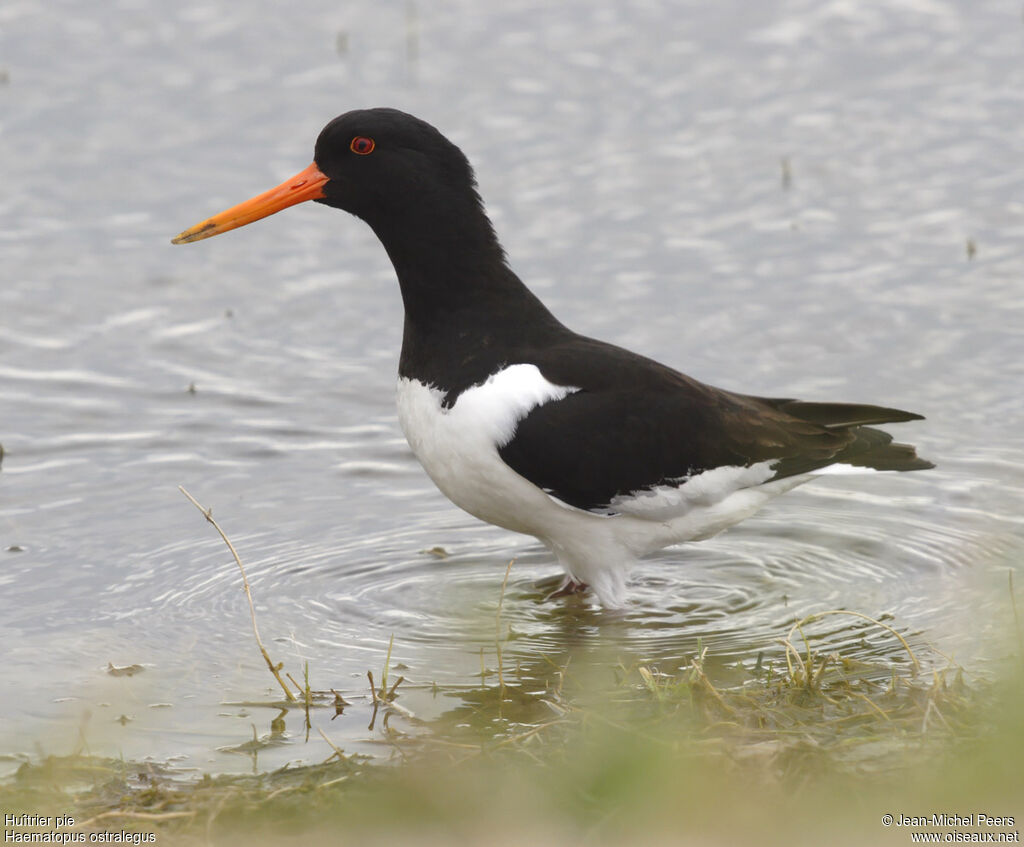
(274, 669)
(497, 630)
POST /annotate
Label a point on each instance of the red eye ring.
(362, 145)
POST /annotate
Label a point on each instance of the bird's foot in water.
(567, 588)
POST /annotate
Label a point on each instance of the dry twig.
(274, 669)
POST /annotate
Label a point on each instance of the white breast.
(458, 446)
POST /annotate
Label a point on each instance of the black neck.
(466, 312)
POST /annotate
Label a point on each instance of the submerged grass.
(808, 746)
(648, 758)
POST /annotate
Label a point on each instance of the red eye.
(362, 145)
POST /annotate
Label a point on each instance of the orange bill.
(305, 185)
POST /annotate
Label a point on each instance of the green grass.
(816, 750)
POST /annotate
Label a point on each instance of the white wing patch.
(677, 497)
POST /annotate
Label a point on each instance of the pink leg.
(568, 587)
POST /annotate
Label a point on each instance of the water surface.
(776, 198)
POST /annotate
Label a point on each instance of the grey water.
(789, 198)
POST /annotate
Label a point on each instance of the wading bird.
(602, 454)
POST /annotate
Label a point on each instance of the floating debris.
(127, 670)
(437, 552)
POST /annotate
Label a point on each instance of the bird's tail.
(870, 448)
(875, 450)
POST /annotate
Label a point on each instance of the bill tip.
(197, 233)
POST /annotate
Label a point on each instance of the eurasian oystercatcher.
(602, 454)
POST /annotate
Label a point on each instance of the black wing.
(635, 424)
